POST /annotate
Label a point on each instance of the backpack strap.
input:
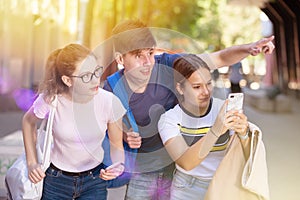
(119, 90)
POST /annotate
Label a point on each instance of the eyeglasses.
(87, 77)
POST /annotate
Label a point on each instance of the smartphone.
(113, 165)
(235, 101)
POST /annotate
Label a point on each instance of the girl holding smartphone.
(196, 132)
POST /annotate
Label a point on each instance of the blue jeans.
(185, 186)
(58, 186)
(150, 185)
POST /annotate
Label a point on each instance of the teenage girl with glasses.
(76, 171)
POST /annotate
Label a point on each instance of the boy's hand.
(133, 139)
(264, 45)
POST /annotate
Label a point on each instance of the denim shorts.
(185, 186)
(88, 186)
(150, 185)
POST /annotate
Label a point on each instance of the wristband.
(244, 137)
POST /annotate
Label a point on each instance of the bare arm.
(186, 157)
(35, 173)
(235, 54)
(116, 142)
(190, 157)
(116, 151)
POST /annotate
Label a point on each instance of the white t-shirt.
(79, 129)
(178, 122)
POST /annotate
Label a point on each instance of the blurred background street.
(31, 29)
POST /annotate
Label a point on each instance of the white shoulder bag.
(238, 177)
(16, 180)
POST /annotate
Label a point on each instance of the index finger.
(270, 38)
(265, 41)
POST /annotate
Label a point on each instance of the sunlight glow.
(245, 66)
(263, 17)
(35, 7)
(293, 85)
(243, 83)
(61, 12)
(227, 83)
(72, 17)
(260, 67)
(223, 70)
(254, 86)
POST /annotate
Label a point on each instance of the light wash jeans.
(150, 185)
(116, 193)
(188, 187)
(58, 186)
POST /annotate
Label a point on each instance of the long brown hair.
(61, 62)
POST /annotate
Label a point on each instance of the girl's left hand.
(112, 171)
(237, 121)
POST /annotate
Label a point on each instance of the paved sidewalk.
(11, 143)
(11, 146)
(281, 137)
(10, 121)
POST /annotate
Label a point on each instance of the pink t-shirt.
(79, 129)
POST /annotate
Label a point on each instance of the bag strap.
(48, 134)
(118, 88)
(255, 137)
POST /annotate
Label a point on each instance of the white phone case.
(235, 101)
(113, 165)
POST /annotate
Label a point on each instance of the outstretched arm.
(235, 54)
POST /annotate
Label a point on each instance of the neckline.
(197, 116)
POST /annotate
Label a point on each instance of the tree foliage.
(215, 24)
